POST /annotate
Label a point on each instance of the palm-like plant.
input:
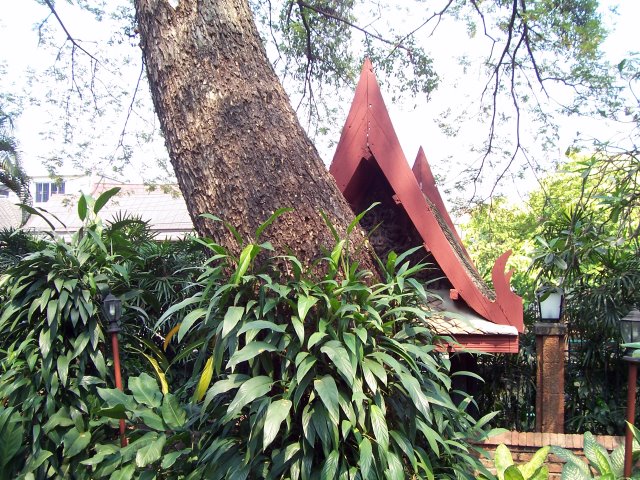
(12, 174)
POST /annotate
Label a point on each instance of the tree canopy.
(538, 58)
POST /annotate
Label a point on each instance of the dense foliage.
(577, 232)
(247, 367)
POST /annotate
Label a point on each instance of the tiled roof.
(10, 214)
(450, 317)
(164, 209)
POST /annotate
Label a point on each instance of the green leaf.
(248, 392)
(330, 467)
(151, 419)
(276, 413)
(298, 327)
(596, 454)
(395, 470)
(44, 342)
(328, 392)
(170, 458)
(231, 319)
(617, 461)
(52, 309)
(172, 413)
(104, 198)
(82, 207)
(502, 460)
(512, 473)
(205, 380)
(366, 457)
(377, 369)
(221, 386)
(174, 308)
(114, 397)
(117, 411)
(261, 325)
(59, 419)
(305, 365)
(145, 390)
(63, 368)
(35, 462)
(537, 460)
(571, 458)
(336, 253)
(379, 427)
(340, 358)
(415, 392)
(188, 321)
(124, 473)
(11, 437)
(246, 257)
(75, 442)
(250, 351)
(151, 452)
(304, 305)
(541, 474)
(572, 471)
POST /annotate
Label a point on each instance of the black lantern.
(112, 307)
(550, 304)
(630, 327)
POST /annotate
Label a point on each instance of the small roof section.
(10, 213)
(163, 208)
(368, 166)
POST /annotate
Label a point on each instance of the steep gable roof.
(369, 164)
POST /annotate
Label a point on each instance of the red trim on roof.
(482, 343)
(368, 135)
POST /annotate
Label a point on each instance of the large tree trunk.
(236, 145)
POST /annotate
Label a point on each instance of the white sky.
(415, 126)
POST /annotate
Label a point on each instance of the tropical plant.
(52, 348)
(160, 442)
(534, 469)
(310, 371)
(12, 175)
(601, 464)
(297, 371)
(582, 243)
(16, 244)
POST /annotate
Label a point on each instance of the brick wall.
(524, 444)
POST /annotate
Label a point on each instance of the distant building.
(57, 198)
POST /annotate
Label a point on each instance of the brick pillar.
(550, 353)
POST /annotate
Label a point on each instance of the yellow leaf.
(170, 335)
(164, 386)
(205, 380)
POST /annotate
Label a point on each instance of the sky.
(96, 141)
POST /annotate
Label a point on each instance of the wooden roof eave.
(369, 134)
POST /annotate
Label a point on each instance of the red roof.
(369, 165)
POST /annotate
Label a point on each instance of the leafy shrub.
(312, 372)
(52, 354)
(600, 462)
(296, 371)
(534, 469)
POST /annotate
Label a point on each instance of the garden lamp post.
(113, 310)
(550, 304)
(630, 331)
(551, 340)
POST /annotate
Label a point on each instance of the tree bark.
(236, 145)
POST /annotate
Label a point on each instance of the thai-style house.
(369, 166)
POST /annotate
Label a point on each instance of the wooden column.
(551, 339)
